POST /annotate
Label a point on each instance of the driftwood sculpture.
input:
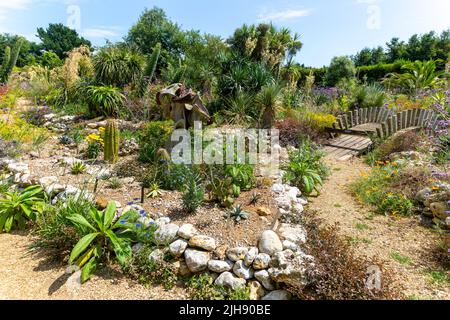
(182, 105)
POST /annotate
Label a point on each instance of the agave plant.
(17, 207)
(103, 236)
(238, 214)
(78, 168)
(255, 198)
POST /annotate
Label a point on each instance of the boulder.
(289, 268)
(242, 271)
(166, 234)
(270, 243)
(157, 256)
(236, 254)
(177, 248)
(196, 260)
(439, 210)
(228, 280)
(284, 202)
(296, 234)
(256, 290)
(203, 242)
(187, 231)
(220, 266)
(250, 256)
(264, 277)
(278, 188)
(261, 262)
(277, 295)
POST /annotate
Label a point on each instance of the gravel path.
(32, 276)
(376, 235)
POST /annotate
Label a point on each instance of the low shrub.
(306, 169)
(154, 136)
(201, 287)
(339, 273)
(194, 195)
(36, 115)
(294, 132)
(401, 142)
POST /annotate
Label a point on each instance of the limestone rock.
(256, 290)
(242, 271)
(220, 266)
(177, 248)
(262, 261)
(250, 256)
(270, 243)
(203, 242)
(166, 234)
(264, 277)
(263, 211)
(228, 280)
(296, 234)
(187, 231)
(236, 254)
(196, 260)
(277, 295)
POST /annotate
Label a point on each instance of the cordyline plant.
(103, 237)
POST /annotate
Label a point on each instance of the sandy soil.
(376, 235)
(26, 275)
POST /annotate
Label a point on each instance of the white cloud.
(289, 14)
(101, 32)
(14, 4)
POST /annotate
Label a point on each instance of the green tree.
(51, 60)
(60, 39)
(396, 50)
(154, 27)
(340, 68)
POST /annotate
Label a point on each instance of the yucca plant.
(78, 168)
(17, 207)
(268, 102)
(103, 236)
(103, 100)
(240, 109)
(238, 214)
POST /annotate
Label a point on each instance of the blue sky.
(328, 28)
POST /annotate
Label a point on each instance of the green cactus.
(9, 61)
(111, 142)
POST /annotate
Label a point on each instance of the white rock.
(270, 243)
(264, 277)
(157, 256)
(302, 201)
(236, 254)
(69, 161)
(289, 245)
(203, 242)
(298, 208)
(250, 256)
(54, 189)
(242, 271)
(293, 193)
(256, 290)
(220, 266)
(227, 279)
(49, 116)
(278, 188)
(177, 248)
(47, 181)
(160, 222)
(18, 167)
(296, 234)
(146, 221)
(196, 260)
(277, 295)
(262, 261)
(187, 231)
(166, 234)
(284, 202)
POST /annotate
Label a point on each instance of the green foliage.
(111, 139)
(155, 191)
(103, 100)
(416, 76)
(39, 140)
(201, 287)
(103, 236)
(306, 169)
(194, 195)
(60, 39)
(115, 183)
(78, 168)
(377, 72)
(17, 207)
(375, 189)
(240, 109)
(221, 190)
(51, 60)
(152, 62)
(153, 137)
(400, 258)
(368, 96)
(242, 176)
(93, 150)
(238, 214)
(117, 65)
(255, 198)
(268, 100)
(340, 68)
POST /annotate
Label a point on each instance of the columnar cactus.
(111, 142)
